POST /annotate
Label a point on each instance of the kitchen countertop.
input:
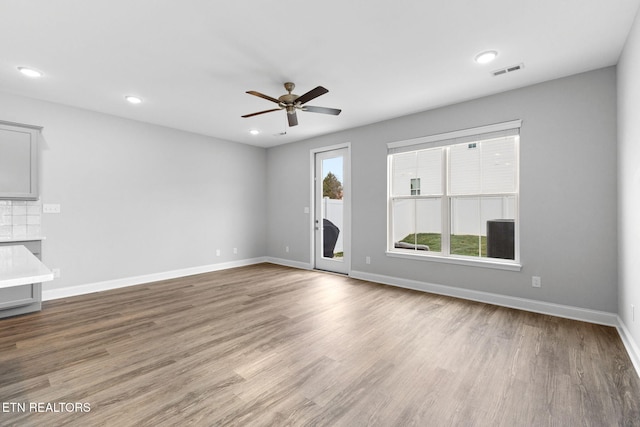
(18, 266)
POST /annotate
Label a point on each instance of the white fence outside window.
(333, 210)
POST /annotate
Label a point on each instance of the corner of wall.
(632, 347)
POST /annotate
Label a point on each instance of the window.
(454, 196)
(415, 186)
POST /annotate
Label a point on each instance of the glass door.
(331, 211)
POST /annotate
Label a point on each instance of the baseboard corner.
(632, 347)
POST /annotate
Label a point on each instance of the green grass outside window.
(464, 244)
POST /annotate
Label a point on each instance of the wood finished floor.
(275, 346)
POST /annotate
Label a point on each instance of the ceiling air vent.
(506, 70)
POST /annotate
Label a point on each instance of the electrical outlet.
(217, 252)
(50, 208)
(536, 282)
(367, 260)
(286, 248)
(235, 250)
(56, 273)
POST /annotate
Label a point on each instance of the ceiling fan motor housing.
(288, 99)
(291, 109)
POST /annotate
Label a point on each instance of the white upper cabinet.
(18, 161)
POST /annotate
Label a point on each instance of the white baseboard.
(71, 291)
(289, 263)
(632, 347)
(569, 312)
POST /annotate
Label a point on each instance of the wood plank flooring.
(267, 345)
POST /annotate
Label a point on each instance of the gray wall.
(140, 199)
(629, 181)
(567, 204)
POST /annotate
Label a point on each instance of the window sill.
(484, 263)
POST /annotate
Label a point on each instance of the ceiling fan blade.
(313, 93)
(323, 110)
(263, 96)
(293, 119)
(262, 112)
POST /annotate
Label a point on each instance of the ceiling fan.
(292, 102)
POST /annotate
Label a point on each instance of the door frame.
(346, 237)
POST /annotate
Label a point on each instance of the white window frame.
(444, 140)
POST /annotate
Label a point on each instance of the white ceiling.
(192, 61)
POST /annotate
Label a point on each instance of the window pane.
(498, 215)
(404, 170)
(466, 233)
(430, 171)
(404, 220)
(499, 166)
(473, 218)
(417, 224)
(464, 169)
(415, 186)
(424, 166)
(485, 167)
(428, 224)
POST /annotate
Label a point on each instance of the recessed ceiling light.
(486, 57)
(254, 132)
(133, 99)
(30, 72)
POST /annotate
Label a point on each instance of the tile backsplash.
(19, 218)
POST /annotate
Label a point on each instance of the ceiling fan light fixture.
(30, 72)
(133, 99)
(486, 56)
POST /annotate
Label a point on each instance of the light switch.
(51, 208)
